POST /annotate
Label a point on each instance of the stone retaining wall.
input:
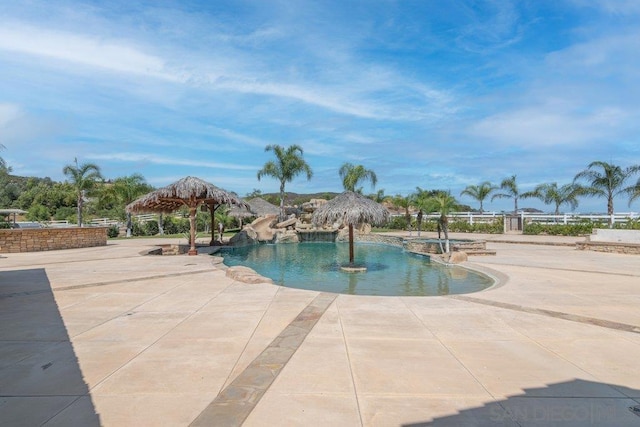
(379, 238)
(47, 239)
(612, 247)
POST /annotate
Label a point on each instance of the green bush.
(65, 212)
(113, 231)
(562, 229)
(138, 229)
(397, 223)
(4, 225)
(38, 213)
(151, 228)
(630, 224)
(176, 225)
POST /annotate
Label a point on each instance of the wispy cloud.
(144, 158)
(106, 54)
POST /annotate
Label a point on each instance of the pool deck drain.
(234, 404)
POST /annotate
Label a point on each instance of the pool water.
(390, 270)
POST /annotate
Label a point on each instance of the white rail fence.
(568, 218)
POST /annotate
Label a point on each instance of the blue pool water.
(390, 270)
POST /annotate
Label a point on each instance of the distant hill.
(292, 199)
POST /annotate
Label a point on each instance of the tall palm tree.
(510, 188)
(288, 164)
(552, 194)
(443, 203)
(607, 182)
(83, 179)
(352, 175)
(125, 190)
(479, 192)
(421, 200)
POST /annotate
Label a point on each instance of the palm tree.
(511, 191)
(443, 203)
(288, 164)
(352, 175)
(125, 190)
(83, 178)
(421, 200)
(552, 194)
(634, 193)
(609, 182)
(379, 196)
(479, 192)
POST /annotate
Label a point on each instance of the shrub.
(151, 228)
(38, 213)
(176, 225)
(397, 223)
(138, 229)
(113, 231)
(561, 229)
(65, 212)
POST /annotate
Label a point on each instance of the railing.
(568, 218)
(58, 223)
(104, 222)
(145, 217)
(154, 217)
(97, 222)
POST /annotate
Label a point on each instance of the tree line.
(45, 199)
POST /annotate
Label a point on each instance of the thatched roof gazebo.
(257, 207)
(352, 209)
(190, 192)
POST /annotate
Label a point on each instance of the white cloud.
(543, 127)
(106, 54)
(161, 160)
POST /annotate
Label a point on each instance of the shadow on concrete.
(572, 403)
(40, 377)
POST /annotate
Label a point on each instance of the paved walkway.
(104, 336)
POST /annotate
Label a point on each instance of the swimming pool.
(390, 269)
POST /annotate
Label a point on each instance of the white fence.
(569, 218)
(97, 222)
(104, 222)
(154, 217)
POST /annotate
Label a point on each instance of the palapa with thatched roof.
(190, 192)
(352, 209)
(257, 207)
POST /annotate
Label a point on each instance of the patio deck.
(104, 336)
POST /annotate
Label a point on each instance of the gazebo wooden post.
(351, 257)
(213, 208)
(192, 226)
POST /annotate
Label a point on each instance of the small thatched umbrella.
(262, 208)
(257, 207)
(190, 192)
(352, 209)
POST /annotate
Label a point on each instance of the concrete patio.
(105, 336)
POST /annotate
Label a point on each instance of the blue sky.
(426, 93)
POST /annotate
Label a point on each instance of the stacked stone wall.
(379, 238)
(611, 247)
(48, 239)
